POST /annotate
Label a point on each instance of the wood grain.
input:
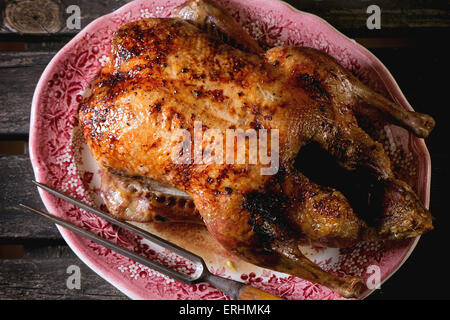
(19, 74)
(33, 16)
(16, 225)
(29, 279)
(35, 24)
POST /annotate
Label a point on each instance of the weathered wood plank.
(348, 15)
(13, 147)
(19, 74)
(16, 225)
(43, 17)
(42, 251)
(45, 279)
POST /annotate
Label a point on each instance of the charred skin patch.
(312, 86)
(267, 205)
(217, 95)
(113, 80)
(151, 44)
(268, 210)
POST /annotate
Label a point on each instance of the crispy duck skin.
(165, 74)
(144, 200)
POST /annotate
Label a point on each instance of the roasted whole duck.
(201, 66)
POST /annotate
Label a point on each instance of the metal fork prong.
(199, 262)
(184, 278)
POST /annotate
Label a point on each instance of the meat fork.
(232, 288)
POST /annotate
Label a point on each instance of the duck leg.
(400, 212)
(342, 89)
(292, 261)
(260, 233)
(418, 123)
(207, 16)
(337, 132)
(123, 197)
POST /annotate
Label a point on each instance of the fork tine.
(232, 288)
(147, 235)
(184, 278)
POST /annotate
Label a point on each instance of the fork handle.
(251, 293)
(237, 290)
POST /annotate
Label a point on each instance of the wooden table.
(33, 256)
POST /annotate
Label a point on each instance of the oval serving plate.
(61, 159)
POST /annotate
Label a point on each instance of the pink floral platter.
(61, 159)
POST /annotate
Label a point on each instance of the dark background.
(412, 43)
